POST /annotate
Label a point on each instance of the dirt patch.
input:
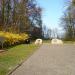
(2, 51)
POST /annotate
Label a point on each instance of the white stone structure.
(56, 41)
(38, 42)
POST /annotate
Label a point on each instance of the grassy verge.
(69, 42)
(46, 41)
(14, 56)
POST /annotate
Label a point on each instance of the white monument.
(56, 41)
(38, 41)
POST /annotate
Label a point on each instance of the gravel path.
(50, 60)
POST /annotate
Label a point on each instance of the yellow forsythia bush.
(12, 38)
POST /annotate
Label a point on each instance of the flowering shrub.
(12, 38)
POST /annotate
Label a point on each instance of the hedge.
(8, 38)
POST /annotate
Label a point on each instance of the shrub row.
(9, 39)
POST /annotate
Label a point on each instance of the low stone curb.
(16, 67)
(9, 73)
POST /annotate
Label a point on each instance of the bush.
(12, 39)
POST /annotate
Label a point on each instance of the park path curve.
(49, 60)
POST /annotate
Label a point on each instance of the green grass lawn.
(69, 42)
(14, 56)
(46, 41)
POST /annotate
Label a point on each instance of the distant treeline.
(68, 21)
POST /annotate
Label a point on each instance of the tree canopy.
(20, 16)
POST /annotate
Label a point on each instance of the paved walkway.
(50, 60)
